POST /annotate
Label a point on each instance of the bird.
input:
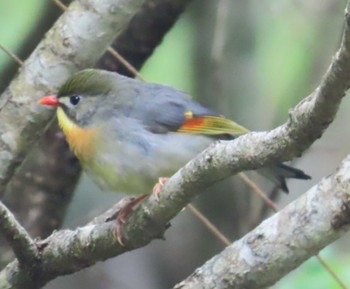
(128, 133)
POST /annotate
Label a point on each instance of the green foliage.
(172, 62)
(312, 275)
(285, 55)
(17, 18)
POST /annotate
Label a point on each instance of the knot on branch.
(342, 218)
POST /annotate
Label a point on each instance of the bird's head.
(79, 97)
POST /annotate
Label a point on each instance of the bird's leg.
(127, 209)
(123, 214)
(158, 186)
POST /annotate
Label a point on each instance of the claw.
(158, 186)
(122, 216)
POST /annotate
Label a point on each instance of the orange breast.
(81, 140)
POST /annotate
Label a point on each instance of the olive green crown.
(88, 82)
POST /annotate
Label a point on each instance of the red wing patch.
(209, 124)
(194, 123)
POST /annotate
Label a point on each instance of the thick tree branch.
(67, 251)
(54, 60)
(314, 220)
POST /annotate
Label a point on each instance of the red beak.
(50, 100)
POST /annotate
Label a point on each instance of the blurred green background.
(272, 54)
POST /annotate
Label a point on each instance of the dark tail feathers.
(280, 173)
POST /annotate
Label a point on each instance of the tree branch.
(314, 220)
(67, 251)
(20, 241)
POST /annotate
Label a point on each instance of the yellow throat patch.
(80, 140)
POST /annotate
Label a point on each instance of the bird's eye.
(74, 99)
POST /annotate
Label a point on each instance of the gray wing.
(162, 108)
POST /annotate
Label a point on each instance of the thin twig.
(12, 55)
(60, 4)
(331, 272)
(212, 228)
(22, 244)
(126, 63)
(258, 191)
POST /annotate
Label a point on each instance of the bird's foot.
(122, 216)
(158, 186)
